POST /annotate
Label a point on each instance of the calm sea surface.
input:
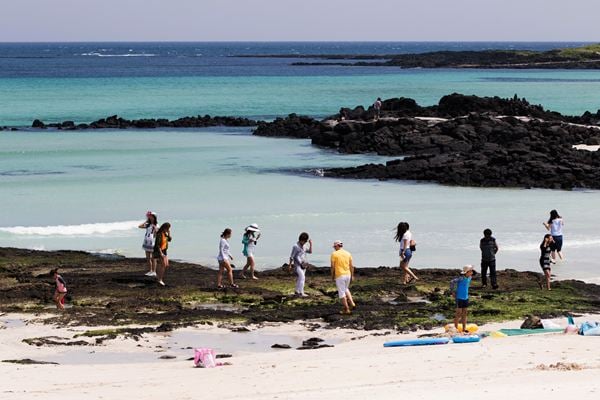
(89, 190)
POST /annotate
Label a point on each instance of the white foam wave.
(532, 246)
(95, 54)
(72, 230)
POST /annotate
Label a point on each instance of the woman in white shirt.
(224, 259)
(555, 226)
(407, 246)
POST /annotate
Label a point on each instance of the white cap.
(253, 228)
(467, 268)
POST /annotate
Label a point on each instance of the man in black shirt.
(489, 248)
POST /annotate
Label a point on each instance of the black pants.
(491, 264)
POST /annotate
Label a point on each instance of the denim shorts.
(460, 303)
(407, 255)
(557, 245)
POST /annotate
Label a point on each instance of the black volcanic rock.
(484, 151)
(116, 122)
(293, 125)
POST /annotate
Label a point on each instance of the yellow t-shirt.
(341, 259)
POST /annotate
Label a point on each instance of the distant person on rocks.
(489, 248)
(377, 107)
(407, 247)
(460, 289)
(555, 226)
(151, 227)
(545, 250)
(61, 290)
(161, 244)
(342, 273)
(225, 259)
(298, 264)
(249, 239)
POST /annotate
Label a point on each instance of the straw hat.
(467, 268)
(253, 228)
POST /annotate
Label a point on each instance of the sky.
(305, 20)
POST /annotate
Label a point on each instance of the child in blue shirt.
(460, 289)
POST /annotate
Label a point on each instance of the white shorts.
(342, 283)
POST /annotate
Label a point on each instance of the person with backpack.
(151, 226)
(459, 287)
(489, 248)
(161, 244)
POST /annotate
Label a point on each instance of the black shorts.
(557, 244)
(156, 253)
(460, 303)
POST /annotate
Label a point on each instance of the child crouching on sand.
(460, 289)
(61, 289)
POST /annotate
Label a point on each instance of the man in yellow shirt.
(342, 272)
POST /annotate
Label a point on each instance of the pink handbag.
(205, 358)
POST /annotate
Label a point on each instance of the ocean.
(89, 190)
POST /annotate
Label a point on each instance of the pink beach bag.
(205, 358)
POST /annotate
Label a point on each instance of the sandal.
(343, 312)
(220, 287)
(233, 285)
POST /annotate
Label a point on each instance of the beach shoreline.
(548, 365)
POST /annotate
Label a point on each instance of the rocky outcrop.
(116, 122)
(293, 125)
(480, 151)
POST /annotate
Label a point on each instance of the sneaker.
(495, 287)
(153, 274)
(149, 273)
(161, 283)
(303, 295)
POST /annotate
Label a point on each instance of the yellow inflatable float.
(471, 328)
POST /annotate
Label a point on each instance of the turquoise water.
(87, 99)
(89, 191)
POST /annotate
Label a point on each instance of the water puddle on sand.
(12, 323)
(181, 345)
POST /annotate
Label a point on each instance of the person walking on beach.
(377, 107)
(489, 248)
(151, 227)
(249, 239)
(460, 289)
(298, 262)
(555, 226)
(224, 257)
(61, 290)
(407, 246)
(161, 244)
(545, 250)
(342, 273)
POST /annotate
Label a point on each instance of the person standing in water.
(161, 244)
(61, 290)
(151, 227)
(545, 250)
(555, 226)
(249, 239)
(298, 262)
(342, 273)
(407, 246)
(224, 257)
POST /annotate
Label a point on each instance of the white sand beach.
(495, 368)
